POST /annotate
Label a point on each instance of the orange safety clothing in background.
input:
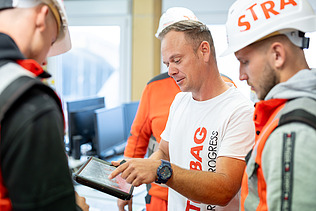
(150, 120)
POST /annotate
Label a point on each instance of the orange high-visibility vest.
(266, 120)
(268, 116)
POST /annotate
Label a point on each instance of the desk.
(99, 201)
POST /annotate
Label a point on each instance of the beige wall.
(145, 46)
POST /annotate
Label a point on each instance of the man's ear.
(278, 54)
(41, 17)
(205, 50)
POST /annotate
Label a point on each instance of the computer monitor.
(113, 128)
(110, 130)
(81, 128)
(130, 112)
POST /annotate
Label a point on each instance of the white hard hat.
(252, 20)
(173, 15)
(63, 43)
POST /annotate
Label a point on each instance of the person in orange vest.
(268, 38)
(152, 115)
(208, 132)
(34, 172)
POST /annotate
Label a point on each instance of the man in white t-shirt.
(209, 129)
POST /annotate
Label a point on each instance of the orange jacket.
(151, 118)
(279, 173)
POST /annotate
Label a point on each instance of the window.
(91, 68)
(99, 63)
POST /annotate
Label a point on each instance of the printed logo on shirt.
(212, 151)
(200, 136)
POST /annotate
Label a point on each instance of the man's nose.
(242, 74)
(172, 70)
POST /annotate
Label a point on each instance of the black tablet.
(94, 173)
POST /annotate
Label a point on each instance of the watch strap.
(162, 179)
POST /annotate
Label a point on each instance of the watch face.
(165, 172)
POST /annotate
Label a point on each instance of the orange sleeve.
(227, 79)
(152, 115)
(141, 131)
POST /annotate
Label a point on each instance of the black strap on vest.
(19, 87)
(298, 115)
(3, 62)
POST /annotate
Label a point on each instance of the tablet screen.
(98, 172)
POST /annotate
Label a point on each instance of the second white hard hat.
(251, 20)
(173, 15)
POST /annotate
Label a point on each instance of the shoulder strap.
(295, 113)
(298, 115)
(17, 88)
(3, 62)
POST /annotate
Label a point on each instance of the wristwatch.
(164, 172)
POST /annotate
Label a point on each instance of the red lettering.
(254, 15)
(195, 166)
(191, 207)
(246, 24)
(266, 10)
(195, 151)
(199, 137)
(201, 132)
(283, 3)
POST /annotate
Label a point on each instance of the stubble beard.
(267, 81)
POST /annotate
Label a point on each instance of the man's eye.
(177, 61)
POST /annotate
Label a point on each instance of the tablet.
(94, 173)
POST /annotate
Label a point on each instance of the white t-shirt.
(199, 132)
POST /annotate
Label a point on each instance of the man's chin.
(260, 97)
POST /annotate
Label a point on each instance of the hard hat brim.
(61, 45)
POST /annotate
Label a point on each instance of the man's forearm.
(159, 154)
(209, 187)
(200, 186)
